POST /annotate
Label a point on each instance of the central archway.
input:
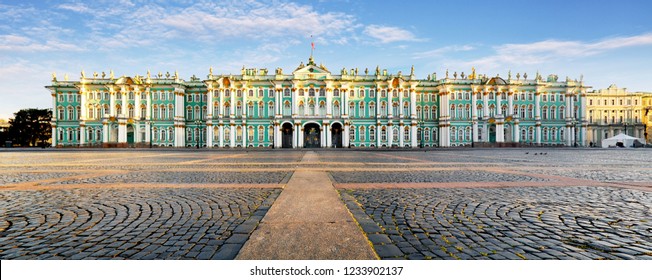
(311, 136)
(286, 138)
(336, 133)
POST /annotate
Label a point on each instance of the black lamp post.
(151, 136)
(198, 124)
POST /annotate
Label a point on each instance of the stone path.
(308, 221)
(326, 204)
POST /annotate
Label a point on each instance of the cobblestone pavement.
(443, 203)
(130, 223)
(505, 223)
(427, 176)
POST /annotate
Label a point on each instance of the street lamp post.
(151, 138)
(472, 123)
(271, 122)
(198, 124)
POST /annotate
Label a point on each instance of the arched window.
(270, 109)
(301, 108)
(383, 134)
(238, 109)
(250, 108)
(361, 112)
(322, 92)
(60, 113)
(406, 133)
(336, 93)
(395, 134)
(419, 112)
(188, 113)
(383, 109)
(530, 112)
(467, 111)
(351, 109)
(406, 109)
(468, 133)
(523, 112)
(311, 92)
(336, 109)
(396, 109)
(544, 112)
(301, 92)
(250, 133)
(163, 113)
(270, 133)
(238, 133)
(227, 134)
(261, 134)
(286, 92)
(426, 135)
(287, 110)
(434, 112)
(130, 112)
(523, 134)
(322, 108)
(197, 113)
(372, 109)
(372, 133)
(562, 112)
(362, 133)
(352, 133)
(311, 108)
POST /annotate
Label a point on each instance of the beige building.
(647, 104)
(614, 110)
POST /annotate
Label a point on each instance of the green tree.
(30, 126)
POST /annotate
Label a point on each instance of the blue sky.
(605, 41)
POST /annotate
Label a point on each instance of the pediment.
(311, 69)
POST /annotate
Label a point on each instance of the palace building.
(614, 110)
(313, 107)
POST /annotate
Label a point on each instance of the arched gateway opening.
(286, 137)
(336, 133)
(312, 136)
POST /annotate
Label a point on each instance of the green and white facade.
(312, 107)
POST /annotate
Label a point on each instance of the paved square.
(436, 204)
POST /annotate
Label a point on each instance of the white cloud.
(538, 53)
(75, 7)
(389, 34)
(441, 51)
(19, 43)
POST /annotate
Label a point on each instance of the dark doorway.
(130, 134)
(336, 133)
(312, 136)
(492, 133)
(287, 129)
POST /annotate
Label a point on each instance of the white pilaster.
(345, 136)
(390, 135)
(413, 135)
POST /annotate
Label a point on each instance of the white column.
(537, 106)
(209, 134)
(245, 106)
(390, 104)
(378, 131)
(390, 135)
(221, 105)
(244, 135)
(149, 104)
(295, 103)
(232, 136)
(123, 110)
(329, 136)
(485, 105)
(82, 133)
(148, 131)
(413, 135)
(400, 104)
(137, 106)
(413, 103)
(301, 132)
(112, 103)
(475, 131)
(345, 137)
(500, 132)
(538, 132)
(401, 135)
(122, 130)
(498, 104)
(377, 102)
(55, 135)
(278, 93)
(221, 138)
(105, 131)
(516, 132)
(322, 135)
(233, 103)
(329, 104)
(510, 104)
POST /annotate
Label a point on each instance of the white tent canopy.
(626, 140)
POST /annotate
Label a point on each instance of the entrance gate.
(312, 136)
(286, 138)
